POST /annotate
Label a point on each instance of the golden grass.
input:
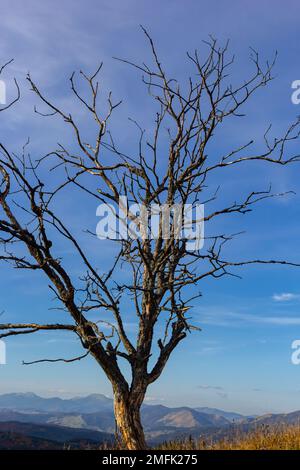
(279, 437)
(263, 437)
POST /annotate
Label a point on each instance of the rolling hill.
(91, 419)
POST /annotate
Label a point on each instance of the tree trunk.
(128, 420)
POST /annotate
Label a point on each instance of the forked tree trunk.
(128, 420)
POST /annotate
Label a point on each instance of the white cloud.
(223, 318)
(285, 297)
(209, 350)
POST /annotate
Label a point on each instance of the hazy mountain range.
(57, 422)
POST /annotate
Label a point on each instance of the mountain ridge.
(33, 401)
(94, 416)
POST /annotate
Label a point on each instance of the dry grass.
(279, 437)
(263, 437)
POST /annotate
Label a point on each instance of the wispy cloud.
(217, 389)
(285, 297)
(210, 387)
(209, 350)
(236, 319)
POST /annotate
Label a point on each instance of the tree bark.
(128, 421)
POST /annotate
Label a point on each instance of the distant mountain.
(103, 421)
(35, 421)
(280, 418)
(228, 415)
(31, 402)
(95, 413)
(37, 417)
(90, 404)
(157, 416)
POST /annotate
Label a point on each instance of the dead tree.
(171, 165)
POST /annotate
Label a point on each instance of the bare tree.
(163, 271)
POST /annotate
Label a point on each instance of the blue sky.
(241, 359)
